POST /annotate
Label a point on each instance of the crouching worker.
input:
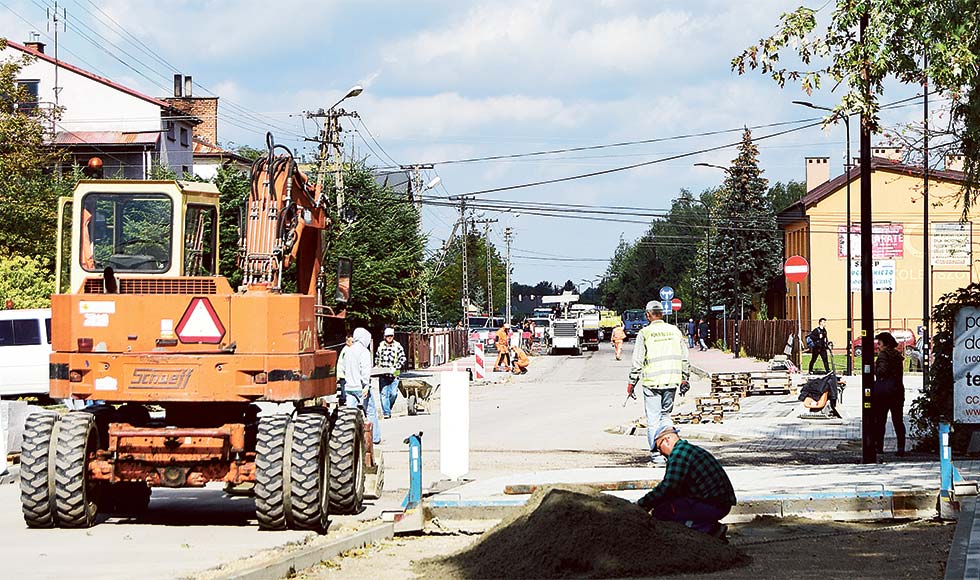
(519, 360)
(695, 490)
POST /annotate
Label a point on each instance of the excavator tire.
(37, 501)
(347, 461)
(309, 472)
(269, 451)
(75, 501)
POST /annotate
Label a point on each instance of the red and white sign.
(200, 323)
(675, 304)
(796, 269)
(479, 362)
(887, 241)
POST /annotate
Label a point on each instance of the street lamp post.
(847, 270)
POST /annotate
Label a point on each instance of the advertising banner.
(882, 275)
(966, 365)
(887, 241)
(950, 244)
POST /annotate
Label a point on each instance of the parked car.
(25, 347)
(482, 329)
(904, 337)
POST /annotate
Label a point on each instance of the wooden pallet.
(718, 400)
(729, 390)
(756, 391)
(696, 418)
(730, 408)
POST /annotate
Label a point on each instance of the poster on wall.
(966, 365)
(887, 241)
(882, 275)
(950, 243)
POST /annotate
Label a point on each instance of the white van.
(25, 349)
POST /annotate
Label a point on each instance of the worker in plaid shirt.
(695, 489)
(390, 355)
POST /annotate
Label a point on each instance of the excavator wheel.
(347, 461)
(36, 496)
(309, 482)
(75, 500)
(269, 454)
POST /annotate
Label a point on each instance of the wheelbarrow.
(417, 394)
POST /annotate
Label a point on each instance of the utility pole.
(486, 228)
(330, 153)
(466, 274)
(507, 237)
(868, 444)
(926, 269)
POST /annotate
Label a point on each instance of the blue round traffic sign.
(666, 293)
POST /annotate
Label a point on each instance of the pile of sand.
(565, 533)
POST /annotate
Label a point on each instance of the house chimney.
(35, 45)
(954, 162)
(178, 84)
(888, 152)
(817, 172)
(188, 85)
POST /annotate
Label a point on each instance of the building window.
(184, 140)
(171, 131)
(29, 102)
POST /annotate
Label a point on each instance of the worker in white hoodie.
(357, 372)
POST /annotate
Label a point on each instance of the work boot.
(721, 532)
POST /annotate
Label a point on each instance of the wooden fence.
(432, 348)
(762, 339)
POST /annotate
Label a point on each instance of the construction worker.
(695, 490)
(390, 355)
(357, 378)
(341, 373)
(503, 348)
(520, 360)
(660, 366)
(618, 336)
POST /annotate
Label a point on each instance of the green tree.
(26, 281)
(28, 194)
(746, 249)
(445, 287)
(234, 185)
(899, 36)
(384, 242)
(782, 195)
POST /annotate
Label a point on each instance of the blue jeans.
(389, 393)
(658, 404)
(354, 400)
(690, 341)
(697, 515)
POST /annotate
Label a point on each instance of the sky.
(450, 80)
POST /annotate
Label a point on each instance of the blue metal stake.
(414, 496)
(949, 475)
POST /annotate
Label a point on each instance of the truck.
(608, 320)
(589, 330)
(182, 377)
(566, 327)
(633, 321)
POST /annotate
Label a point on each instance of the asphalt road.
(553, 417)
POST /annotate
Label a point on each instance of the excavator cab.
(137, 229)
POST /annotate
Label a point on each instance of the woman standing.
(889, 393)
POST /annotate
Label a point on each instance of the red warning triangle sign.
(200, 323)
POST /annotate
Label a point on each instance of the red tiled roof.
(87, 74)
(104, 138)
(206, 150)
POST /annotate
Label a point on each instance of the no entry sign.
(796, 269)
(675, 304)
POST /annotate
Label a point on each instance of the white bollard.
(454, 424)
(4, 434)
(480, 362)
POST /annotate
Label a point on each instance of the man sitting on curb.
(695, 489)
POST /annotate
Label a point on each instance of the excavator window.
(127, 232)
(200, 240)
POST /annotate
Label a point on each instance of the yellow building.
(815, 228)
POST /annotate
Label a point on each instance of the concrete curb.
(847, 506)
(288, 564)
(963, 562)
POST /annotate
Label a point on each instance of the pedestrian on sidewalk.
(341, 373)
(390, 355)
(889, 391)
(695, 490)
(704, 330)
(660, 366)
(692, 331)
(502, 343)
(357, 379)
(817, 341)
(618, 336)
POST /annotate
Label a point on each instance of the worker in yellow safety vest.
(660, 366)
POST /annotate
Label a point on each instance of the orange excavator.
(180, 380)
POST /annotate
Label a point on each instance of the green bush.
(25, 282)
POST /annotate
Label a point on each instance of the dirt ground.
(778, 548)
